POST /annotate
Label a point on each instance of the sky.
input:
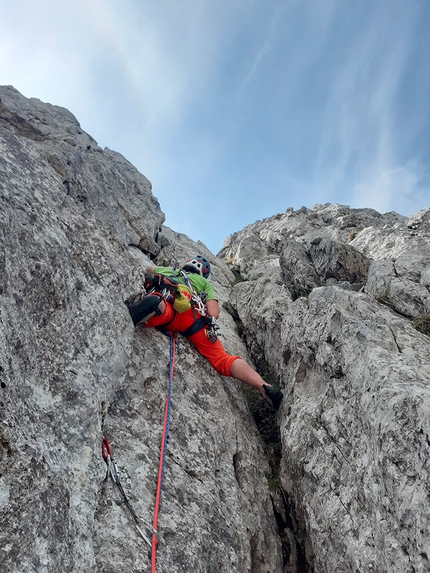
(236, 110)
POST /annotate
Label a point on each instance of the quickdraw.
(112, 468)
(112, 472)
(213, 330)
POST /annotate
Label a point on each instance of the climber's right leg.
(148, 307)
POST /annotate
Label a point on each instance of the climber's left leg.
(213, 352)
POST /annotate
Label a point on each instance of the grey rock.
(355, 438)
(355, 421)
(420, 221)
(321, 299)
(339, 261)
(78, 226)
(298, 269)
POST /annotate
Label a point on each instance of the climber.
(168, 290)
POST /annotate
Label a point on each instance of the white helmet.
(198, 264)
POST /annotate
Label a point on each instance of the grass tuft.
(422, 323)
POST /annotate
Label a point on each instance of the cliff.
(78, 227)
(344, 321)
(327, 301)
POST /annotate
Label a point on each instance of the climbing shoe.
(134, 299)
(274, 395)
(144, 309)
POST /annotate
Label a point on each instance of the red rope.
(163, 452)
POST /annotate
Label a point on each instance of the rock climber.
(197, 322)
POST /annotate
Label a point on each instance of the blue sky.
(236, 110)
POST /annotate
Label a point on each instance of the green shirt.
(198, 282)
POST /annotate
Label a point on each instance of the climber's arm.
(212, 308)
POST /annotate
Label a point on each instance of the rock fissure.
(395, 341)
(334, 442)
(370, 374)
(296, 548)
(188, 471)
(337, 495)
(294, 542)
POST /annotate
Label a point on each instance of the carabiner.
(106, 453)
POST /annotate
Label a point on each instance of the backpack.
(178, 294)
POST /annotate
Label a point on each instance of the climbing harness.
(112, 472)
(163, 447)
(182, 297)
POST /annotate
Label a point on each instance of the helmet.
(198, 264)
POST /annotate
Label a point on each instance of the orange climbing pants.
(213, 351)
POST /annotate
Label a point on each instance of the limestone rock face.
(78, 226)
(355, 423)
(324, 299)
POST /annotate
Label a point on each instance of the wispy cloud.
(389, 189)
(266, 105)
(362, 137)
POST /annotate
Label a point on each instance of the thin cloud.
(264, 49)
(267, 105)
(361, 132)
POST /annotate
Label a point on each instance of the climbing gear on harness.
(182, 297)
(213, 330)
(171, 289)
(198, 304)
(112, 472)
(205, 320)
(145, 308)
(199, 264)
(164, 437)
(159, 283)
(274, 395)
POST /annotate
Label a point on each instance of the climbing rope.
(112, 468)
(163, 447)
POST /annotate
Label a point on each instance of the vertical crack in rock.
(354, 420)
(296, 555)
(296, 547)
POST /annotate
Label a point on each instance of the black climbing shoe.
(274, 395)
(134, 298)
(144, 309)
